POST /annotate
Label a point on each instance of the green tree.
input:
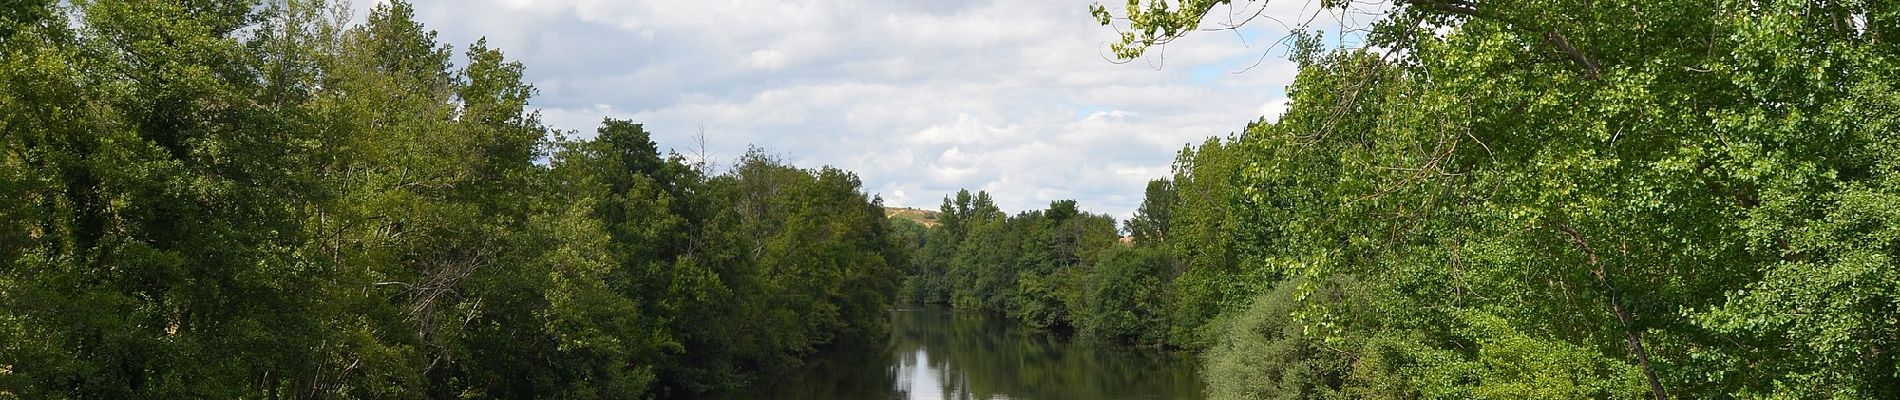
(1155, 217)
(229, 199)
(1127, 296)
(1206, 244)
(1504, 180)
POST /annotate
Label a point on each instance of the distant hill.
(926, 217)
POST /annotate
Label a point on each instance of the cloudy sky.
(920, 98)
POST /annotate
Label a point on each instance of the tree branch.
(1615, 301)
(1591, 68)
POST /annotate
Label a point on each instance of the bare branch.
(1589, 66)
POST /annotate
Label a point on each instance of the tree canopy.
(240, 199)
(1553, 200)
(1498, 199)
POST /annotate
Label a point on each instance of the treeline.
(1518, 200)
(1065, 269)
(238, 199)
(1030, 266)
(1061, 268)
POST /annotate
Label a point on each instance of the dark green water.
(937, 353)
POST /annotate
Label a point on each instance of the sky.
(920, 98)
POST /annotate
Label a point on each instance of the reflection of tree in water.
(983, 357)
(935, 353)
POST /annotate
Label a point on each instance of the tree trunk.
(1615, 300)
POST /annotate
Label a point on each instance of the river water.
(941, 354)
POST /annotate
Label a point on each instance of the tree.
(226, 199)
(1505, 176)
(1154, 217)
(1127, 296)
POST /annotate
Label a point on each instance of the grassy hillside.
(926, 217)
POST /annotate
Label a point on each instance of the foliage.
(232, 199)
(1265, 353)
(1034, 267)
(1126, 296)
(1560, 200)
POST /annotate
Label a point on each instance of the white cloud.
(1273, 108)
(918, 97)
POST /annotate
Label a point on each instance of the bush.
(1264, 352)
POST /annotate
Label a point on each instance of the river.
(941, 354)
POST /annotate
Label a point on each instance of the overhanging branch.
(1470, 9)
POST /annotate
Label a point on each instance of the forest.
(1496, 199)
(1503, 199)
(237, 200)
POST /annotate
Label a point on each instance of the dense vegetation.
(1028, 266)
(1549, 199)
(1501, 199)
(1559, 199)
(226, 199)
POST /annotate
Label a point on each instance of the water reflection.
(938, 354)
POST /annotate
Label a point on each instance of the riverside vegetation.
(1499, 199)
(234, 200)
